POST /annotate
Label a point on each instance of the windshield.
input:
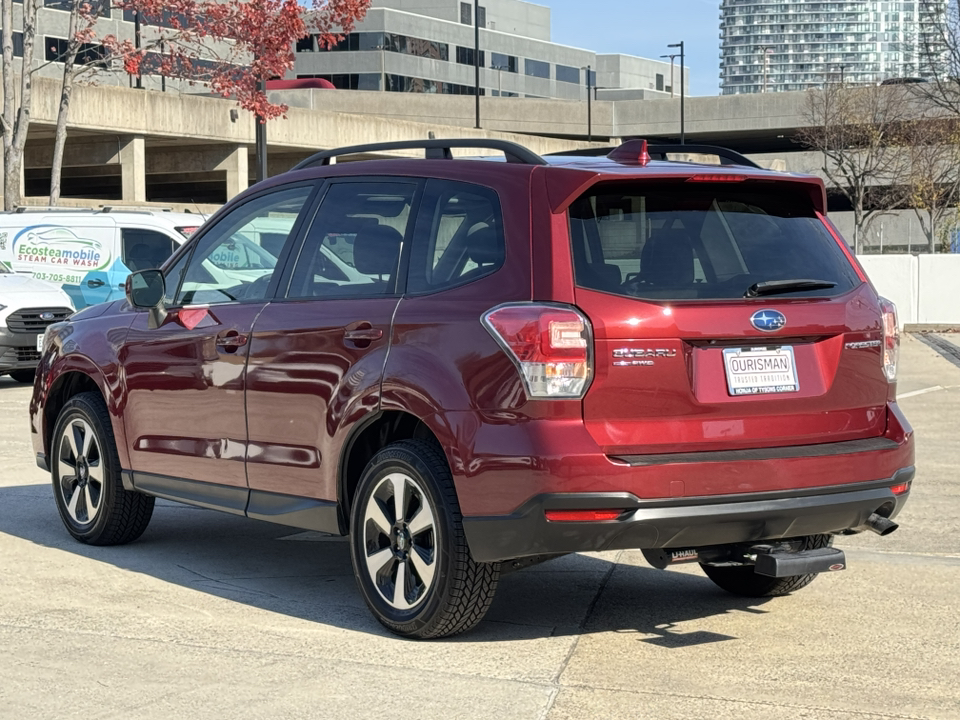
(673, 240)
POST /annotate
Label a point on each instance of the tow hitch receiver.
(804, 562)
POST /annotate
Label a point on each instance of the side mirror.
(145, 291)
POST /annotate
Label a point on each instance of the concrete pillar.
(236, 166)
(133, 167)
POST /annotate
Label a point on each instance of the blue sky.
(644, 28)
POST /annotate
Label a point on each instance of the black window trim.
(400, 280)
(422, 218)
(293, 239)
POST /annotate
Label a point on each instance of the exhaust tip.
(880, 525)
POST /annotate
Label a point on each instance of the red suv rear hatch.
(704, 340)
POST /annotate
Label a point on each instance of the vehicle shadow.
(309, 576)
(8, 383)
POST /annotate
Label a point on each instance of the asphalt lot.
(209, 615)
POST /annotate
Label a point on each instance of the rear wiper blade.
(780, 287)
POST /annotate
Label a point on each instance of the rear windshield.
(675, 240)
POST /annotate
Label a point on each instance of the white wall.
(925, 288)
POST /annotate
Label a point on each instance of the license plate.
(757, 371)
(39, 343)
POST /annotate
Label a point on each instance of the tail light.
(891, 339)
(550, 344)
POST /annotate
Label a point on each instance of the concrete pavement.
(210, 615)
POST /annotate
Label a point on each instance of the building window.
(57, 48)
(659, 82)
(465, 56)
(481, 16)
(305, 44)
(466, 15)
(402, 83)
(350, 81)
(568, 74)
(391, 42)
(499, 61)
(536, 68)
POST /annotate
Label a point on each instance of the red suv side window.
(459, 237)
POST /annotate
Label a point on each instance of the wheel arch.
(373, 433)
(67, 384)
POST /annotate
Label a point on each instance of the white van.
(89, 253)
(27, 307)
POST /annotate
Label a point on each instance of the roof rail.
(434, 150)
(660, 152)
(140, 209)
(50, 208)
(133, 208)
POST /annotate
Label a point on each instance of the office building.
(428, 46)
(776, 45)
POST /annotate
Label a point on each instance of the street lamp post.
(589, 106)
(261, 138)
(766, 50)
(682, 92)
(476, 55)
(382, 47)
(671, 56)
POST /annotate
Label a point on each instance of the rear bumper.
(680, 522)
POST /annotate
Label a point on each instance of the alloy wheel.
(81, 472)
(400, 541)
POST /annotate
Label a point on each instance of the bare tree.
(74, 43)
(932, 180)
(857, 130)
(15, 120)
(939, 45)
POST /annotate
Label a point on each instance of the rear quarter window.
(674, 240)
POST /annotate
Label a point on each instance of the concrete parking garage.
(208, 615)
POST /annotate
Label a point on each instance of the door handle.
(95, 283)
(230, 341)
(364, 333)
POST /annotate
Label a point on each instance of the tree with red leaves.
(231, 45)
(246, 40)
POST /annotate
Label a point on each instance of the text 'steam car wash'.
(90, 253)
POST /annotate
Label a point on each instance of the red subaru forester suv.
(476, 365)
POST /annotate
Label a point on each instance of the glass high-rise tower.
(776, 45)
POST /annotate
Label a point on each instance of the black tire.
(92, 502)
(23, 376)
(458, 592)
(744, 581)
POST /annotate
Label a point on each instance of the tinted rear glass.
(675, 240)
